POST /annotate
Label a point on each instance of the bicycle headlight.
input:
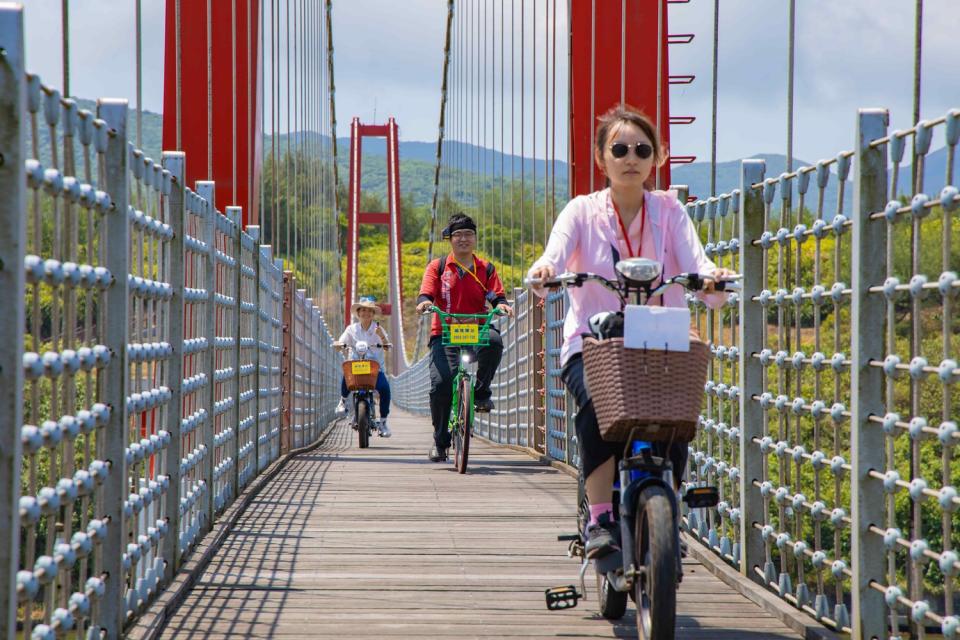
(465, 358)
(639, 270)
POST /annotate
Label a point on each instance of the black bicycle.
(360, 374)
(648, 568)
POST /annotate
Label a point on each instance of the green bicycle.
(457, 331)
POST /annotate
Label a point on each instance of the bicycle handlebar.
(488, 316)
(689, 281)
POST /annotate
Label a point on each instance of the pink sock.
(596, 510)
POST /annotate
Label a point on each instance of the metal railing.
(829, 422)
(141, 361)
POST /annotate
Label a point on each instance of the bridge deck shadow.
(381, 543)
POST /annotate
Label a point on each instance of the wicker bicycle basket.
(361, 381)
(657, 392)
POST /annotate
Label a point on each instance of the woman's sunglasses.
(620, 149)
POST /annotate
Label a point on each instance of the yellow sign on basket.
(464, 334)
(359, 368)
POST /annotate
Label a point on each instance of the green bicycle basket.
(465, 335)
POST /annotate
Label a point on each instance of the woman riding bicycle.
(366, 330)
(591, 234)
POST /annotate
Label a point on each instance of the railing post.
(287, 363)
(276, 378)
(235, 215)
(113, 444)
(538, 353)
(254, 232)
(753, 324)
(866, 440)
(12, 248)
(175, 163)
(206, 190)
(309, 318)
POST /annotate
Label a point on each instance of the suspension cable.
(791, 42)
(139, 47)
(917, 70)
(436, 172)
(178, 36)
(713, 112)
(209, 90)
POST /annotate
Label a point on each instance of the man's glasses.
(465, 235)
(620, 149)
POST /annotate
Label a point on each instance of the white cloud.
(102, 47)
(850, 54)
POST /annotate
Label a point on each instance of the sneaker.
(438, 455)
(602, 537)
(383, 429)
(483, 406)
(342, 407)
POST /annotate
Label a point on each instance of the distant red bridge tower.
(391, 219)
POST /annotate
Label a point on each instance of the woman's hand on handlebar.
(541, 273)
(718, 274)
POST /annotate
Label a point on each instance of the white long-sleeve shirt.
(373, 336)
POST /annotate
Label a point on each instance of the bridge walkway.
(380, 543)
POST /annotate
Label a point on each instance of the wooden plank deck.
(381, 543)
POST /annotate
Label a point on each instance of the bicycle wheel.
(656, 588)
(613, 603)
(363, 423)
(461, 434)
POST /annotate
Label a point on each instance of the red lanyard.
(643, 223)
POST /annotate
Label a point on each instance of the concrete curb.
(152, 622)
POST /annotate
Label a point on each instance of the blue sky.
(388, 53)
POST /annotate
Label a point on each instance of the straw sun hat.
(365, 303)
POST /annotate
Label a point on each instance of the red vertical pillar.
(396, 240)
(353, 219)
(615, 56)
(219, 74)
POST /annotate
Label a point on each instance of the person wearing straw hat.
(366, 329)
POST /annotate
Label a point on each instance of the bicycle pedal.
(559, 598)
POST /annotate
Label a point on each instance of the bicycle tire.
(462, 431)
(612, 603)
(656, 590)
(363, 423)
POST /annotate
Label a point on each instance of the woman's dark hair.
(624, 113)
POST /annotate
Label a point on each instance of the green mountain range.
(482, 168)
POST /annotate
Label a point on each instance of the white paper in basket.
(661, 328)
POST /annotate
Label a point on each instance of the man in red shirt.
(460, 282)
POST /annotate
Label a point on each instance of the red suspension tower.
(391, 219)
(619, 53)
